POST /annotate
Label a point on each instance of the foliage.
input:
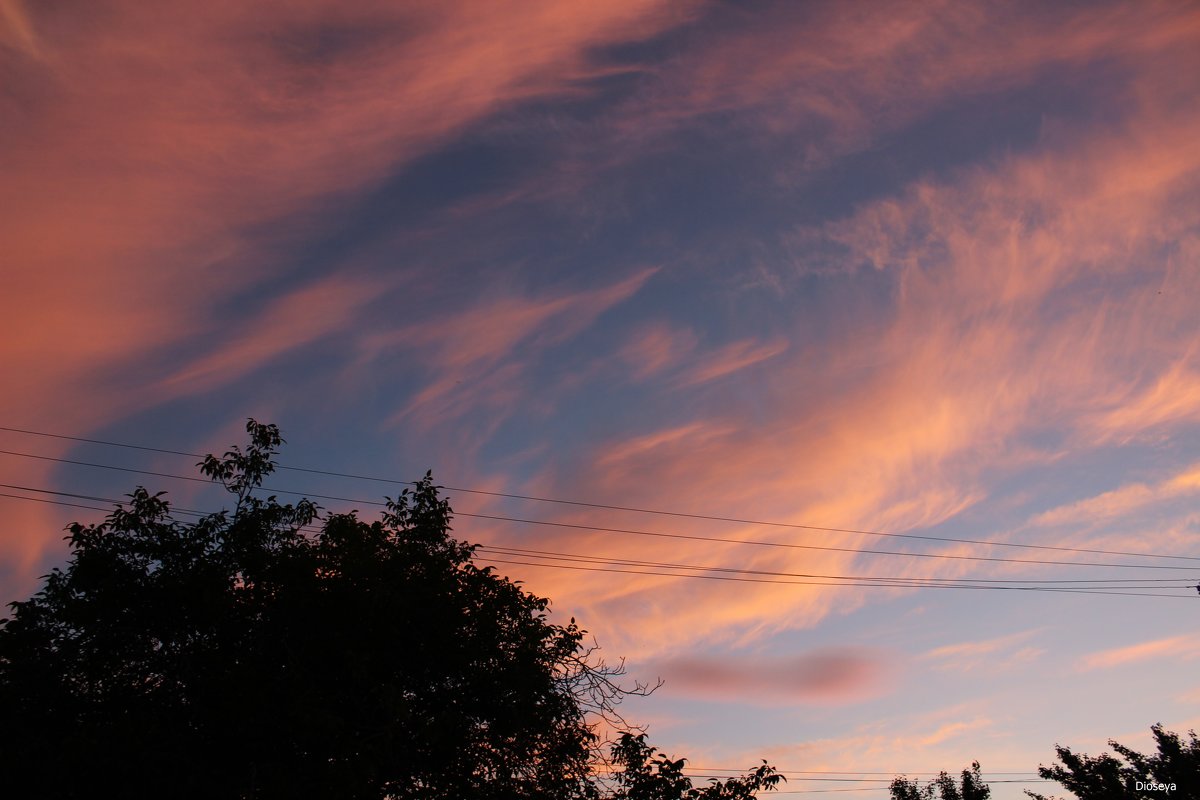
(970, 787)
(646, 776)
(1107, 777)
(251, 655)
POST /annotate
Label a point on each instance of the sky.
(925, 268)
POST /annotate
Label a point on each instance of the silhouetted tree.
(943, 787)
(251, 655)
(1129, 774)
(646, 776)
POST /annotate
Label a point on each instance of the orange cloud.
(926, 741)
(144, 146)
(15, 29)
(1176, 647)
(146, 149)
(1051, 290)
(1122, 501)
(1173, 396)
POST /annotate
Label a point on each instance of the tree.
(251, 654)
(1130, 774)
(245, 655)
(646, 776)
(970, 787)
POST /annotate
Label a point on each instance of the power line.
(845, 583)
(576, 526)
(879, 788)
(823, 580)
(546, 554)
(633, 509)
(520, 552)
(904, 773)
(736, 774)
(721, 776)
(51, 502)
(175, 508)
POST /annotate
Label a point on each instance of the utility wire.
(826, 580)
(873, 788)
(903, 773)
(174, 508)
(634, 509)
(520, 552)
(546, 554)
(826, 548)
(575, 526)
(853, 780)
(835, 583)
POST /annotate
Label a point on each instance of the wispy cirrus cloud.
(290, 322)
(1185, 647)
(1171, 396)
(657, 348)
(998, 653)
(1040, 290)
(16, 31)
(924, 741)
(208, 123)
(729, 359)
(166, 170)
(1123, 500)
(838, 81)
(462, 350)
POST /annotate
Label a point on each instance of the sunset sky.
(910, 268)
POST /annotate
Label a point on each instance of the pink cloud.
(657, 348)
(1123, 500)
(1171, 396)
(464, 350)
(292, 321)
(991, 655)
(31, 529)
(144, 143)
(915, 741)
(1185, 647)
(731, 358)
(829, 676)
(838, 77)
(1047, 290)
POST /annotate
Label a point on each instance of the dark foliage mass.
(944, 787)
(272, 652)
(1130, 775)
(646, 776)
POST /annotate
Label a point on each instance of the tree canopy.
(272, 651)
(1130, 774)
(943, 787)
(647, 776)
